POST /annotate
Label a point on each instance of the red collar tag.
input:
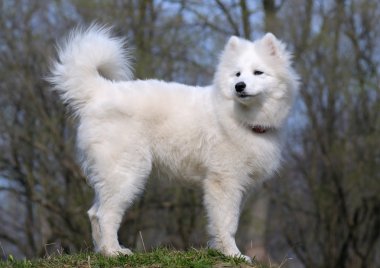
(259, 129)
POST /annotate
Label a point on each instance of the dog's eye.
(257, 72)
(237, 74)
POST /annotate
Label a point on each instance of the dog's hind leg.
(222, 199)
(113, 196)
(95, 228)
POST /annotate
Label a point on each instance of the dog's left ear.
(274, 47)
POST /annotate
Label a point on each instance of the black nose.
(239, 87)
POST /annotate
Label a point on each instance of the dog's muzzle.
(239, 87)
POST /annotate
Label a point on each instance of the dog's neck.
(249, 114)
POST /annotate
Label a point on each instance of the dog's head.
(257, 74)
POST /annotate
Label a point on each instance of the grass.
(161, 257)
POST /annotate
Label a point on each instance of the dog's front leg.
(222, 199)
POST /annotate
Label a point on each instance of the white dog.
(225, 136)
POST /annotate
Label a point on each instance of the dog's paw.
(246, 258)
(124, 251)
(116, 252)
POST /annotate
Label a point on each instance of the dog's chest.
(263, 159)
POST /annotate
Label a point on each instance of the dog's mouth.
(243, 95)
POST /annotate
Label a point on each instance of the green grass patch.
(161, 257)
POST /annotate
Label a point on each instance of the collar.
(260, 129)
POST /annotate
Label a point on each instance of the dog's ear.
(233, 43)
(275, 47)
(272, 45)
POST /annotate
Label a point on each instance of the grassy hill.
(155, 259)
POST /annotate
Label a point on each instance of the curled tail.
(85, 60)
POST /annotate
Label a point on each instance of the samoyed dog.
(225, 136)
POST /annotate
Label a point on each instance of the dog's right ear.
(233, 43)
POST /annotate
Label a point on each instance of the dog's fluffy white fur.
(225, 136)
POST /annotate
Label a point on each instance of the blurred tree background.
(323, 208)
